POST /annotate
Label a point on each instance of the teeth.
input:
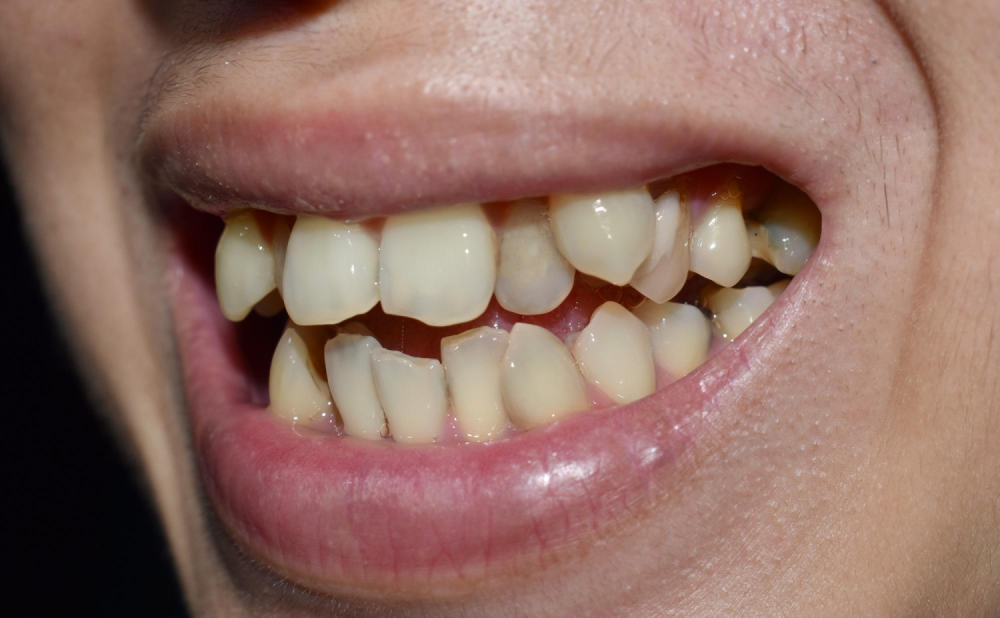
(472, 366)
(778, 287)
(331, 271)
(538, 378)
(438, 266)
(663, 273)
(735, 310)
(607, 235)
(244, 266)
(412, 391)
(720, 247)
(789, 230)
(614, 354)
(681, 335)
(352, 383)
(279, 240)
(297, 386)
(533, 277)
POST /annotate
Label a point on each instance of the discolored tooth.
(244, 266)
(607, 235)
(778, 287)
(538, 378)
(352, 383)
(533, 277)
(735, 310)
(472, 366)
(720, 246)
(270, 306)
(681, 335)
(297, 386)
(438, 266)
(331, 271)
(413, 394)
(615, 355)
(788, 231)
(663, 273)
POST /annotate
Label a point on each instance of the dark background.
(81, 537)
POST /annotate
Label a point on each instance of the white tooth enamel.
(681, 335)
(720, 247)
(614, 354)
(438, 266)
(607, 235)
(279, 240)
(331, 271)
(352, 383)
(297, 385)
(270, 306)
(735, 310)
(533, 277)
(472, 366)
(791, 229)
(244, 266)
(662, 275)
(413, 395)
(538, 378)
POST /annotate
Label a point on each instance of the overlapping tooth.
(614, 354)
(352, 384)
(607, 235)
(735, 310)
(244, 266)
(681, 335)
(413, 394)
(270, 306)
(720, 246)
(533, 277)
(664, 271)
(538, 378)
(297, 384)
(438, 266)
(472, 366)
(788, 231)
(279, 241)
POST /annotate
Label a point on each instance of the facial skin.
(853, 471)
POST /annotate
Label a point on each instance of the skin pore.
(853, 471)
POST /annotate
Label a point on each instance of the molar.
(244, 266)
(720, 246)
(788, 230)
(297, 386)
(681, 335)
(663, 273)
(615, 355)
(413, 394)
(352, 384)
(472, 367)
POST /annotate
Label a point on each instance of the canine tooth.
(297, 386)
(538, 378)
(472, 366)
(615, 355)
(533, 277)
(270, 306)
(331, 271)
(735, 310)
(607, 235)
(681, 335)
(438, 266)
(790, 226)
(412, 392)
(352, 383)
(720, 246)
(663, 273)
(244, 266)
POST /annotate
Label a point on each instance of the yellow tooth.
(413, 394)
(331, 271)
(614, 354)
(607, 235)
(472, 366)
(279, 240)
(533, 277)
(244, 266)
(681, 335)
(538, 378)
(720, 246)
(778, 287)
(788, 231)
(297, 384)
(438, 266)
(663, 273)
(736, 310)
(352, 383)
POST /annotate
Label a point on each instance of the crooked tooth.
(413, 394)
(664, 271)
(538, 378)
(607, 235)
(472, 366)
(720, 246)
(279, 240)
(297, 383)
(438, 266)
(270, 306)
(352, 384)
(614, 354)
(533, 277)
(244, 266)
(788, 231)
(331, 271)
(736, 310)
(681, 335)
